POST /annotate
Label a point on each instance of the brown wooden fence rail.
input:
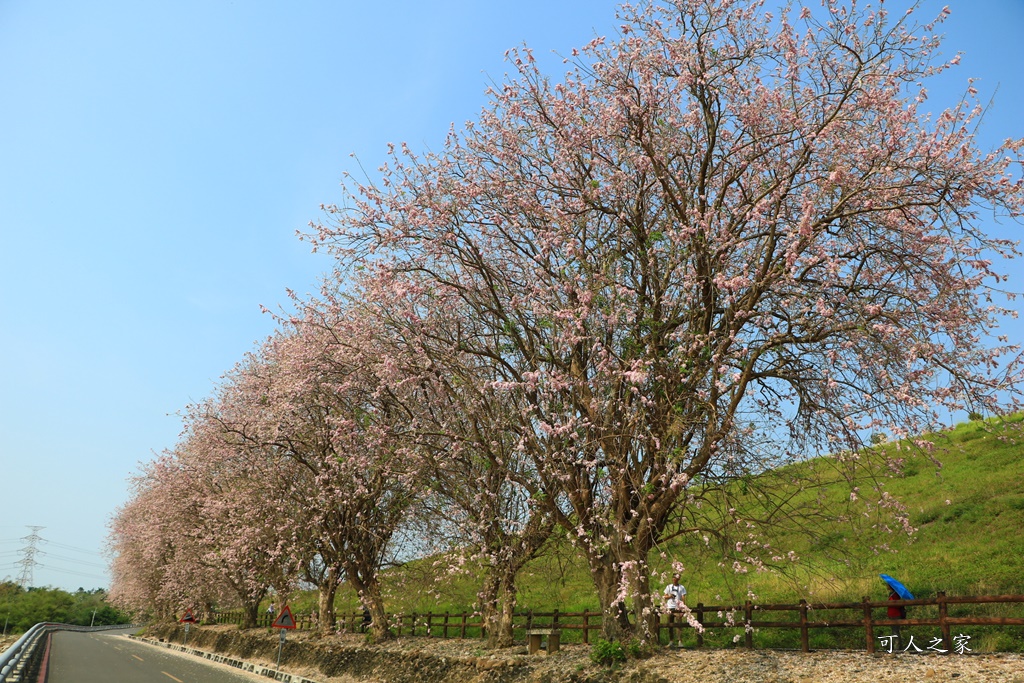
(746, 618)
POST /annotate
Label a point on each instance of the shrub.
(607, 653)
(638, 649)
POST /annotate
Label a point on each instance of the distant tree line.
(20, 609)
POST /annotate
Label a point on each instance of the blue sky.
(156, 160)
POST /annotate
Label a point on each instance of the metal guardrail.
(21, 661)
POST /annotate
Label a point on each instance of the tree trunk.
(328, 589)
(509, 554)
(488, 601)
(499, 621)
(250, 614)
(369, 593)
(207, 613)
(644, 607)
(607, 578)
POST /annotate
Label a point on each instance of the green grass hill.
(968, 512)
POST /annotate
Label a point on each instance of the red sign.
(284, 619)
(188, 618)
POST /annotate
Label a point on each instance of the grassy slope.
(970, 541)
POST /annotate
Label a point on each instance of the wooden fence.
(745, 618)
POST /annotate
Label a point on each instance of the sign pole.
(284, 621)
(188, 620)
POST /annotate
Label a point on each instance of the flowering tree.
(724, 226)
(188, 539)
(140, 557)
(480, 489)
(313, 406)
(283, 494)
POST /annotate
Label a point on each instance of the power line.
(43, 553)
(63, 546)
(69, 571)
(30, 554)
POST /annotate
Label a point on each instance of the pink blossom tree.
(721, 227)
(315, 406)
(181, 538)
(140, 557)
(282, 496)
(480, 490)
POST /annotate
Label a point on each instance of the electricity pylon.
(28, 558)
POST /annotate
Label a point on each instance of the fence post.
(430, 616)
(444, 629)
(748, 630)
(462, 633)
(700, 620)
(804, 642)
(554, 620)
(586, 627)
(869, 630)
(944, 621)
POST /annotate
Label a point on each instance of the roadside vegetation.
(20, 609)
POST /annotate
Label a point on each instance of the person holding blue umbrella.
(897, 591)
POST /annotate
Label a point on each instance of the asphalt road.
(109, 657)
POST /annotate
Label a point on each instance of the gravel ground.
(703, 666)
(757, 666)
(766, 666)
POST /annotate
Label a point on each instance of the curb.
(240, 664)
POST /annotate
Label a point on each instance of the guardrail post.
(748, 630)
(947, 641)
(700, 620)
(869, 630)
(804, 642)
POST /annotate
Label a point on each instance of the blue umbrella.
(900, 589)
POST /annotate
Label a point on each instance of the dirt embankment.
(349, 659)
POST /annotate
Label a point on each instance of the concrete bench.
(535, 635)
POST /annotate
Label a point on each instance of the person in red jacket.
(897, 612)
